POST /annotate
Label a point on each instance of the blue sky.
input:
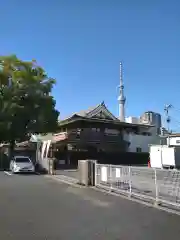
(81, 42)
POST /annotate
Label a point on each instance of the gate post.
(92, 172)
(51, 169)
(86, 170)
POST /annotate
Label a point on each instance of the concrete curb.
(58, 179)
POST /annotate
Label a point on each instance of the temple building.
(97, 129)
(97, 134)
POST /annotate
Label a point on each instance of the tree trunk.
(11, 149)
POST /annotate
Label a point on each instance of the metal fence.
(160, 186)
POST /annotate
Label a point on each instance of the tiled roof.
(101, 113)
(84, 113)
(90, 112)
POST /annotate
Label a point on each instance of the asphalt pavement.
(39, 208)
(72, 173)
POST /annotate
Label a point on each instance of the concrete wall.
(140, 141)
(175, 141)
(134, 120)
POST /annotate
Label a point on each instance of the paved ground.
(69, 173)
(35, 207)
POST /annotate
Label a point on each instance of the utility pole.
(168, 118)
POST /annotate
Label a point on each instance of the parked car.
(21, 164)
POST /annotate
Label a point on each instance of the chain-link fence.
(160, 186)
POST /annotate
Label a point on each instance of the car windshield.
(22, 160)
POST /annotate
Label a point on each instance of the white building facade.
(139, 142)
(174, 140)
(149, 129)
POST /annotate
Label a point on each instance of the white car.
(21, 164)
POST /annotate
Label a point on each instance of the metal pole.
(95, 173)
(130, 183)
(110, 173)
(168, 119)
(156, 187)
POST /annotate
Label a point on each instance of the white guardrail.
(160, 186)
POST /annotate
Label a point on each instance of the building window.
(177, 141)
(138, 150)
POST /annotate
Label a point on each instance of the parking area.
(35, 207)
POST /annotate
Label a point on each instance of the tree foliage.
(26, 104)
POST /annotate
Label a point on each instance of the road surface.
(38, 208)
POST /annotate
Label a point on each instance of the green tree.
(26, 104)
